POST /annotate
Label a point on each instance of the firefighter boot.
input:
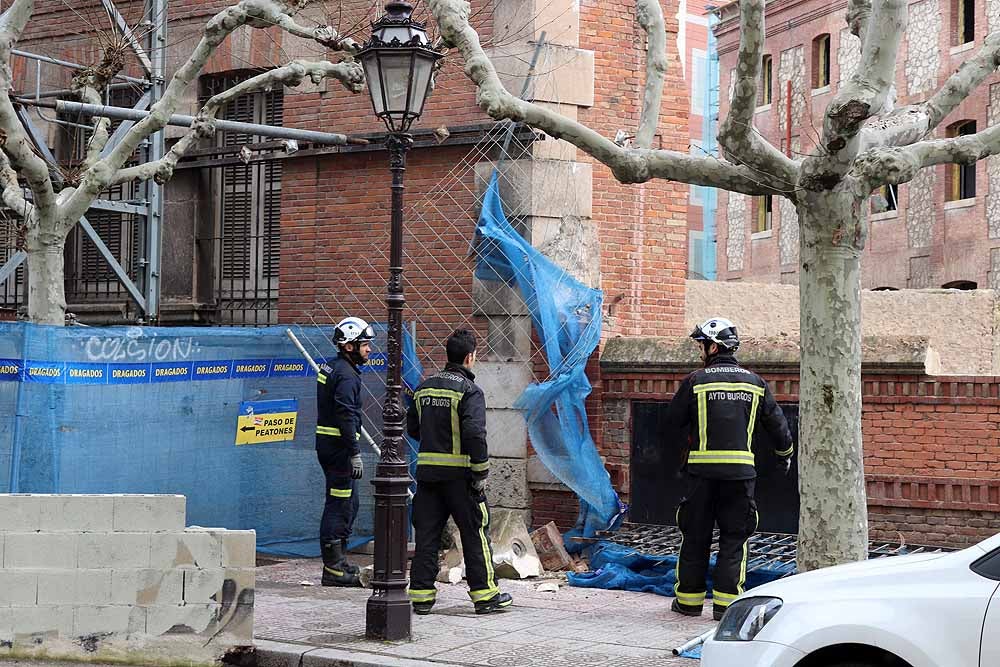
(498, 602)
(334, 572)
(348, 567)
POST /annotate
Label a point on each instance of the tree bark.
(833, 524)
(46, 287)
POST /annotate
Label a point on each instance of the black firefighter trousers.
(433, 503)
(340, 506)
(707, 502)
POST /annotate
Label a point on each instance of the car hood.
(858, 574)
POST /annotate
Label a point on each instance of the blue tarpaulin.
(566, 315)
(156, 410)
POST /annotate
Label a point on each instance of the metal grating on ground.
(764, 550)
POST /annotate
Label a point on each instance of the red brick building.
(941, 229)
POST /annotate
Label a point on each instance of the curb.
(282, 654)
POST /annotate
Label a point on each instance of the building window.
(960, 284)
(762, 217)
(961, 177)
(885, 199)
(964, 28)
(247, 210)
(764, 97)
(821, 61)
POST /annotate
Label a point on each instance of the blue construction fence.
(160, 410)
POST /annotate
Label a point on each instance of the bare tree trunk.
(46, 289)
(833, 526)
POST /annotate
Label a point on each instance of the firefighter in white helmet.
(338, 435)
(714, 414)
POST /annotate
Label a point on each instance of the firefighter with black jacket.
(715, 411)
(338, 432)
(448, 417)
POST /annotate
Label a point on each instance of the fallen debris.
(548, 587)
(548, 542)
(306, 583)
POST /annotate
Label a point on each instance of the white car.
(923, 610)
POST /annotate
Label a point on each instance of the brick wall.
(926, 242)
(932, 448)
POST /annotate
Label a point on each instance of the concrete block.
(18, 587)
(113, 550)
(239, 548)
(41, 550)
(192, 548)
(539, 476)
(506, 433)
(508, 338)
(18, 512)
(503, 382)
(149, 513)
(526, 20)
(57, 587)
(80, 513)
(43, 619)
(196, 618)
(564, 74)
(93, 587)
(224, 586)
(6, 630)
(571, 242)
(490, 297)
(548, 148)
(147, 587)
(115, 619)
(547, 188)
(507, 485)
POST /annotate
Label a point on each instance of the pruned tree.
(865, 143)
(54, 208)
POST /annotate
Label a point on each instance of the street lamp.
(399, 67)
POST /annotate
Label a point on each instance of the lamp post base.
(388, 614)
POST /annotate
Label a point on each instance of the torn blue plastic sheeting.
(567, 319)
(616, 567)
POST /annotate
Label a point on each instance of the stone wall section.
(119, 578)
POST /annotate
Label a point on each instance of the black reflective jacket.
(338, 407)
(448, 417)
(715, 412)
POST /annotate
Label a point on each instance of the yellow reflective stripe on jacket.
(455, 397)
(327, 430)
(340, 493)
(440, 459)
(729, 386)
(752, 422)
(702, 422)
(424, 595)
(321, 378)
(721, 456)
(785, 452)
(480, 467)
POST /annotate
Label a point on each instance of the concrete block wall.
(119, 577)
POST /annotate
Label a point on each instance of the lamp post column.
(388, 612)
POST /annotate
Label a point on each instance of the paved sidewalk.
(573, 626)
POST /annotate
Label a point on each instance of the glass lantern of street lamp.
(399, 66)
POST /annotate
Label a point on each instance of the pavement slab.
(300, 625)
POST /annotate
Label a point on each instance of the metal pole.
(181, 120)
(388, 611)
(66, 63)
(150, 190)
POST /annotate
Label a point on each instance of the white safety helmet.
(352, 330)
(717, 330)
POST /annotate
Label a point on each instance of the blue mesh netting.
(566, 315)
(102, 432)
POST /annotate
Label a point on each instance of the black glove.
(477, 487)
(357, 467)
(784, 465)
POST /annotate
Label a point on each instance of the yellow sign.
(257, 424)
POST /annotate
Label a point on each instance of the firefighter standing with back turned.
(338, 432)
(719, 406)
(448, 417)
